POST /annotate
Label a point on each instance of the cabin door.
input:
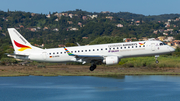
(153, 46)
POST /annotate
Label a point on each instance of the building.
(32, 14)
(127, 40)
(169, 43)
(80, 24)
(84, 37)
(137, 22)
(105, 12)
(56, 29)
(170, 30)
(45, 28)
(177, 19)
(109, 17)
(21, 26)
(33, 29)
(119, 25)
(144, 38)
(162, 38)
(65, 14)
(38, 28)
(155, 32)
(48, 16)
(70, 22)
(93, 16)
(84, 17)
(74, 29)
(170, 38)
(61, 45)
(58, 15)
(56, 19)
(71, 15)
(169, 20)
(165, 33)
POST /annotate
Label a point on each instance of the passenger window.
(64, 52)
(57, 52)
(93, 49)
(75, 51)
(61, 52)
(49, 53)
(132, 46)
(97, 49)
(113, 48)
(71, 51)
(143, 45)
(117, 47)
(121, 47)
(89, 50)
(139, 46)
(136, 46)
(124, 47)
(128, 47)
(109, 48)
(78, 51)
(81, 50)
(85, 50)
(53, 53)
(101, 49)
(105, 48)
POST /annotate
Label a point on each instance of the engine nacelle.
(111, 60)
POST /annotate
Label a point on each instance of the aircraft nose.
(171, 49)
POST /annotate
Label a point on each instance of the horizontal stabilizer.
(18, 56)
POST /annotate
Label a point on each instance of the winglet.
(70, 54)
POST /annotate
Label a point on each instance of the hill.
(67, 28)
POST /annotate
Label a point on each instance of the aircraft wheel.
(157, 61)
(92, 68)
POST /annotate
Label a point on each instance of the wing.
(89, 58)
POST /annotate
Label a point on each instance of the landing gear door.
(44, 55)
(153, 46)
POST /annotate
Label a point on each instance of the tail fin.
(19, 42)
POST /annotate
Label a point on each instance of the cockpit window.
(162, 44)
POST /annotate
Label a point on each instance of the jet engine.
(110, 60)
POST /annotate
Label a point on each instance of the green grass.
(164, 61)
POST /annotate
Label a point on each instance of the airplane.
(108, 54)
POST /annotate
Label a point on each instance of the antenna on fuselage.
(78, 44)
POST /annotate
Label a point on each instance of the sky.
(145, 7)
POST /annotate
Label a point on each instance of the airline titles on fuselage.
(120, 45)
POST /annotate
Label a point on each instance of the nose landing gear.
(156, 56)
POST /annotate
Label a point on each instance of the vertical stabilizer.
(20, 44)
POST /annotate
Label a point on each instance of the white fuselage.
(95, 54)
(122, 50)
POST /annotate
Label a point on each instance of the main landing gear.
(93, 66)
(156, 56)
